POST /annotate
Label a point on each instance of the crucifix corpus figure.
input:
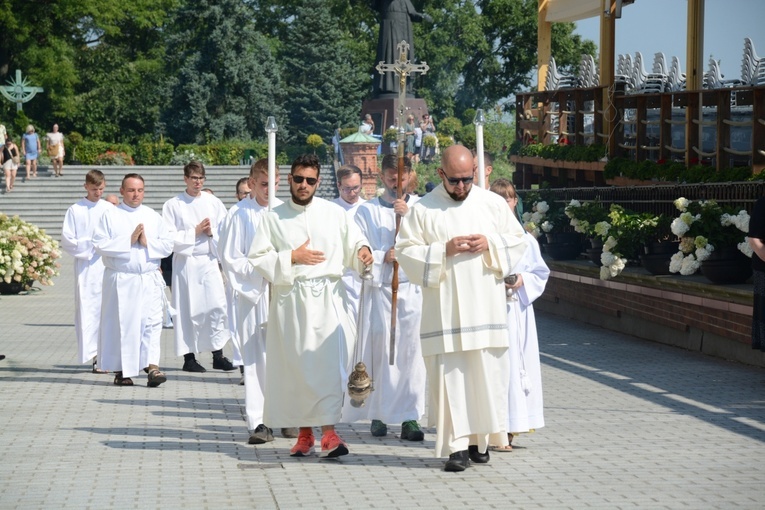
(402, 68)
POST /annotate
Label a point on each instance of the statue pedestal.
(384, 111)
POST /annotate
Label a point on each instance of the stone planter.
(661, 247)
(727, 266)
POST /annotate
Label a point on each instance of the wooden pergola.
(551, 11)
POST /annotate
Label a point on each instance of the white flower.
(574, 203)
(547, 226)
(682, 204)
(690, 265)
(676, 262)
(542, 207)
(702, 254)
(602, 228)
(526, 217)
(605, 273)
(607, 258)
(745, 248)
(679, 227)
(741, 220)
(537, 217)
(609, 244)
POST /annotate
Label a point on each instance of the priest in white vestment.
(399, 389)
(458, 242)
(348, 178)
(77, 240)
(250, 293)
(132, 239)
(525, 403)
(200, 322)
(303, 247)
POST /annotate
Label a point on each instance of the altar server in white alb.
(250, 297)
(459, 242)
(303, 247)
(198, 293)
(77, 240)
(131, 239)
(399, 394)
(525, 404)
(348, 178)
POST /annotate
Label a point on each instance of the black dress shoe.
(458, 461)
(476, 456)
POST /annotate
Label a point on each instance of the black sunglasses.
(456, 180)
(310, 180)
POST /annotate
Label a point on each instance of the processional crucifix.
(19, 91)
(403, 68)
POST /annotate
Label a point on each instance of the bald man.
(458, 243)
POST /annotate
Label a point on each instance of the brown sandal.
(155, 378)
(122, 381)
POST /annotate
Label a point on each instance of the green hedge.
(89, 150)
(674, 171)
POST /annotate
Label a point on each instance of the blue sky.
(650, 26)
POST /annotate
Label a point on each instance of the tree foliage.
(209, 70)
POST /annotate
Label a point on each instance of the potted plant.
(26, 254)
(584, 217)
(713, 239)
(547, 217)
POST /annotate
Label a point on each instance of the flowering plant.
(704, 226)
(26, 253)
(182, 158)
(624, 235)
(586, 218)
(546, 215)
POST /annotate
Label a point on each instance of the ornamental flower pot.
(661, 247)
(656, 263)
(9, 289)
(727, 266)
(594, 254)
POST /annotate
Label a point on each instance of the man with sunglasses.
(303, 247)
(198, 294)
(458, 243)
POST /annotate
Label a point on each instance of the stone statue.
(396, 17)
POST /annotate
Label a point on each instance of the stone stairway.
(44, 201)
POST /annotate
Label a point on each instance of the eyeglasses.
(347, 189)
(456, 180)
(197, 178)
(310, 180)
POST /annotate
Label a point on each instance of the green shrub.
(114, 158)
(314, 141)
(449, 126)
(443, 141)
(468, 115)
(348, 131)
(149, 152)
(89, 150)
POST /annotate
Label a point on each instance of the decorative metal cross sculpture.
(403, 68)
(19, 91)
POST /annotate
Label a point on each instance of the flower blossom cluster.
(535, 220)
(612, 264)
(26, 253)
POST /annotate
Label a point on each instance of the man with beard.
(399, 395)
(458, 243)
(302, 247)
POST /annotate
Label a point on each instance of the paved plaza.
(630, 424)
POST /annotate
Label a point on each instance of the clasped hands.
(204, 227)
(474, 243)
(139, 235)
(308, 257)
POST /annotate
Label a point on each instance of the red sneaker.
(304, 445)
(332, 446)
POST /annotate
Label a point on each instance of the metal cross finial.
(403, 68)
(19, 91)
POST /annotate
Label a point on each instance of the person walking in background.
(9, 158)
(131, 239)
(399, 394)
(30, 146)
(302, 247)
(55, 147)
(458, 242)
(198, 293)
(525, 410)
(348, 180)
(757, 243)
(77, 240)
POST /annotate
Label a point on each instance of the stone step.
(43, 201)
